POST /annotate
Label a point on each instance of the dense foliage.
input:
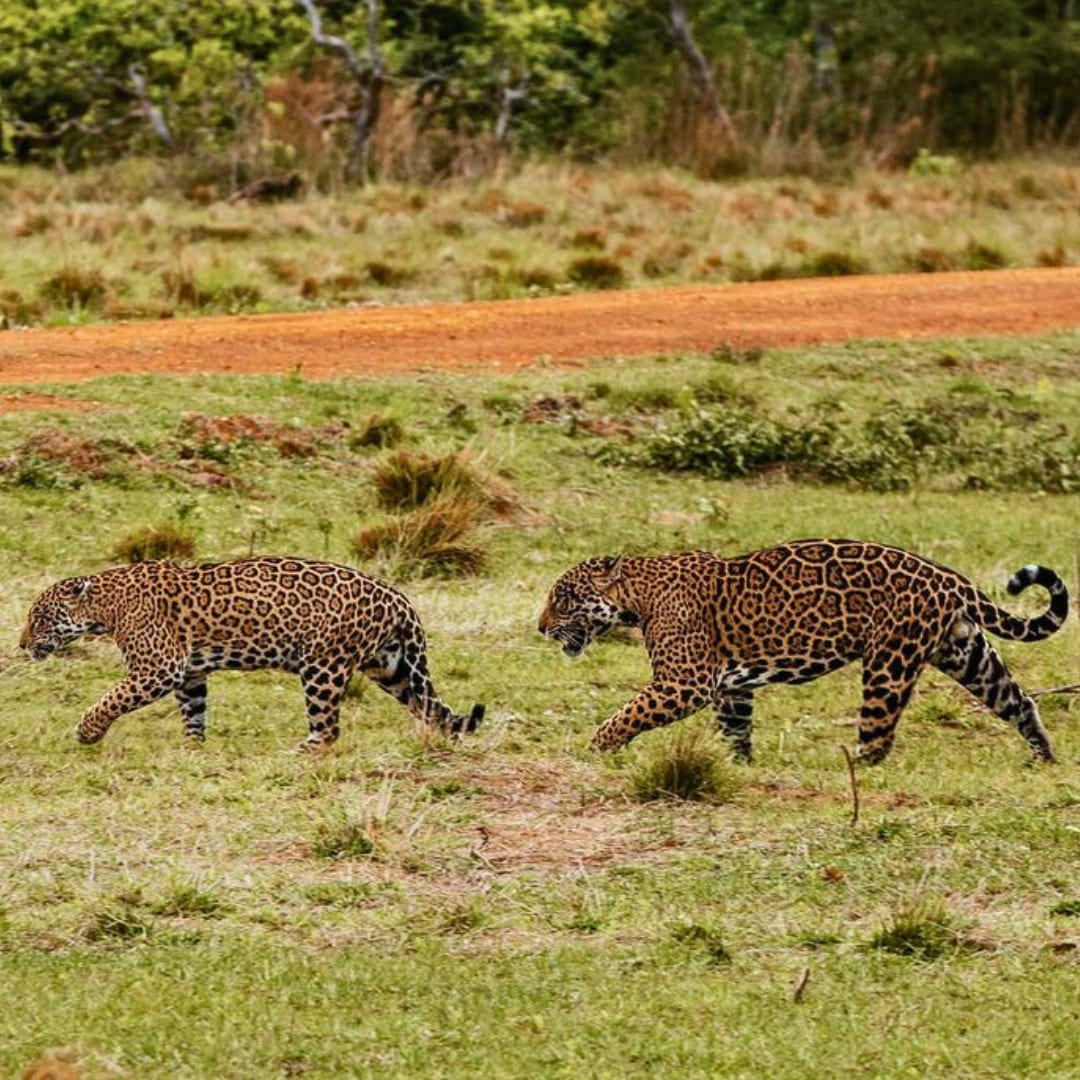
(719, 86)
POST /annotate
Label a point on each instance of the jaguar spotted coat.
(717, 629)
(175, 624)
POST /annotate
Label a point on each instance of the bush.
(896, 447)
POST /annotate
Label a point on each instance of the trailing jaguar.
(717, 629)
(175, 624)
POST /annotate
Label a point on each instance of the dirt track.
(569, 330)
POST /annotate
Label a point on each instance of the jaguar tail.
(1006, 625)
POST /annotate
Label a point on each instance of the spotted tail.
(1005, 625)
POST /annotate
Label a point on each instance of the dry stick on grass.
(854, 786)
(1074, 688)
(801, 981)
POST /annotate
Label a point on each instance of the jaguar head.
(59, 615)
(583, 603)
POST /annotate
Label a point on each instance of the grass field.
(124, 243)
(509, 906)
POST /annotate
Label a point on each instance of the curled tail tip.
(1033, 574)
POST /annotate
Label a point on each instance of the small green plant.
(834, 264)
(164, 541)
(690, 766)
(188, 900)
(1066, 907)
(926, 163)
(121, 919)
(704, 938)
(343, 838)
(922, 930)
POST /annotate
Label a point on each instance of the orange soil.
(562, 331)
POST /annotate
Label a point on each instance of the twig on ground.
(1073, 688)
(854, 786)
(801, 981)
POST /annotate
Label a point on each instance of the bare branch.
(683, 36)
(151, 113)
(369, 78)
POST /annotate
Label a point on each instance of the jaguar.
(174, 624)
(717, 629)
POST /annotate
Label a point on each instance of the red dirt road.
(564, 331)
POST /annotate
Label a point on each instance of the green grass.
(123, 242)
(507, 906)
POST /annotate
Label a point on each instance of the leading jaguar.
(717, 629)
(174, 624)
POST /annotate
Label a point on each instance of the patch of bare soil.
(562, 331)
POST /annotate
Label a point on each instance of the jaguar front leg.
(133, 693)
(662, 702)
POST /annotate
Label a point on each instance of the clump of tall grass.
(378, 431)
(438, 539)
(690, 766)
(408, 480)
(923, 930)
(164, 541)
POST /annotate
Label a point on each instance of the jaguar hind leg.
(968, 657)
(888, 679)
(735, 720)
(324, 685)
(191, 697)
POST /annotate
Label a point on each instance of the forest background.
(417, 90)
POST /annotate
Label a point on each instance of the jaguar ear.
(76, 588)
(609, 573)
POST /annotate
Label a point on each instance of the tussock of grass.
(597, 272)
(344, 839)
(408, 480)
(923, 930)
(438, 538)
(691, 766)
(704, 938)
(164, 541)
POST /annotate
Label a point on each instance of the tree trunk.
(701, 74)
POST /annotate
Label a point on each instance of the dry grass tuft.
(408, 480)
(597, 272)
(165, 541)
(73, 287)
(438, 539)
(379, 431)
(691, 766)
